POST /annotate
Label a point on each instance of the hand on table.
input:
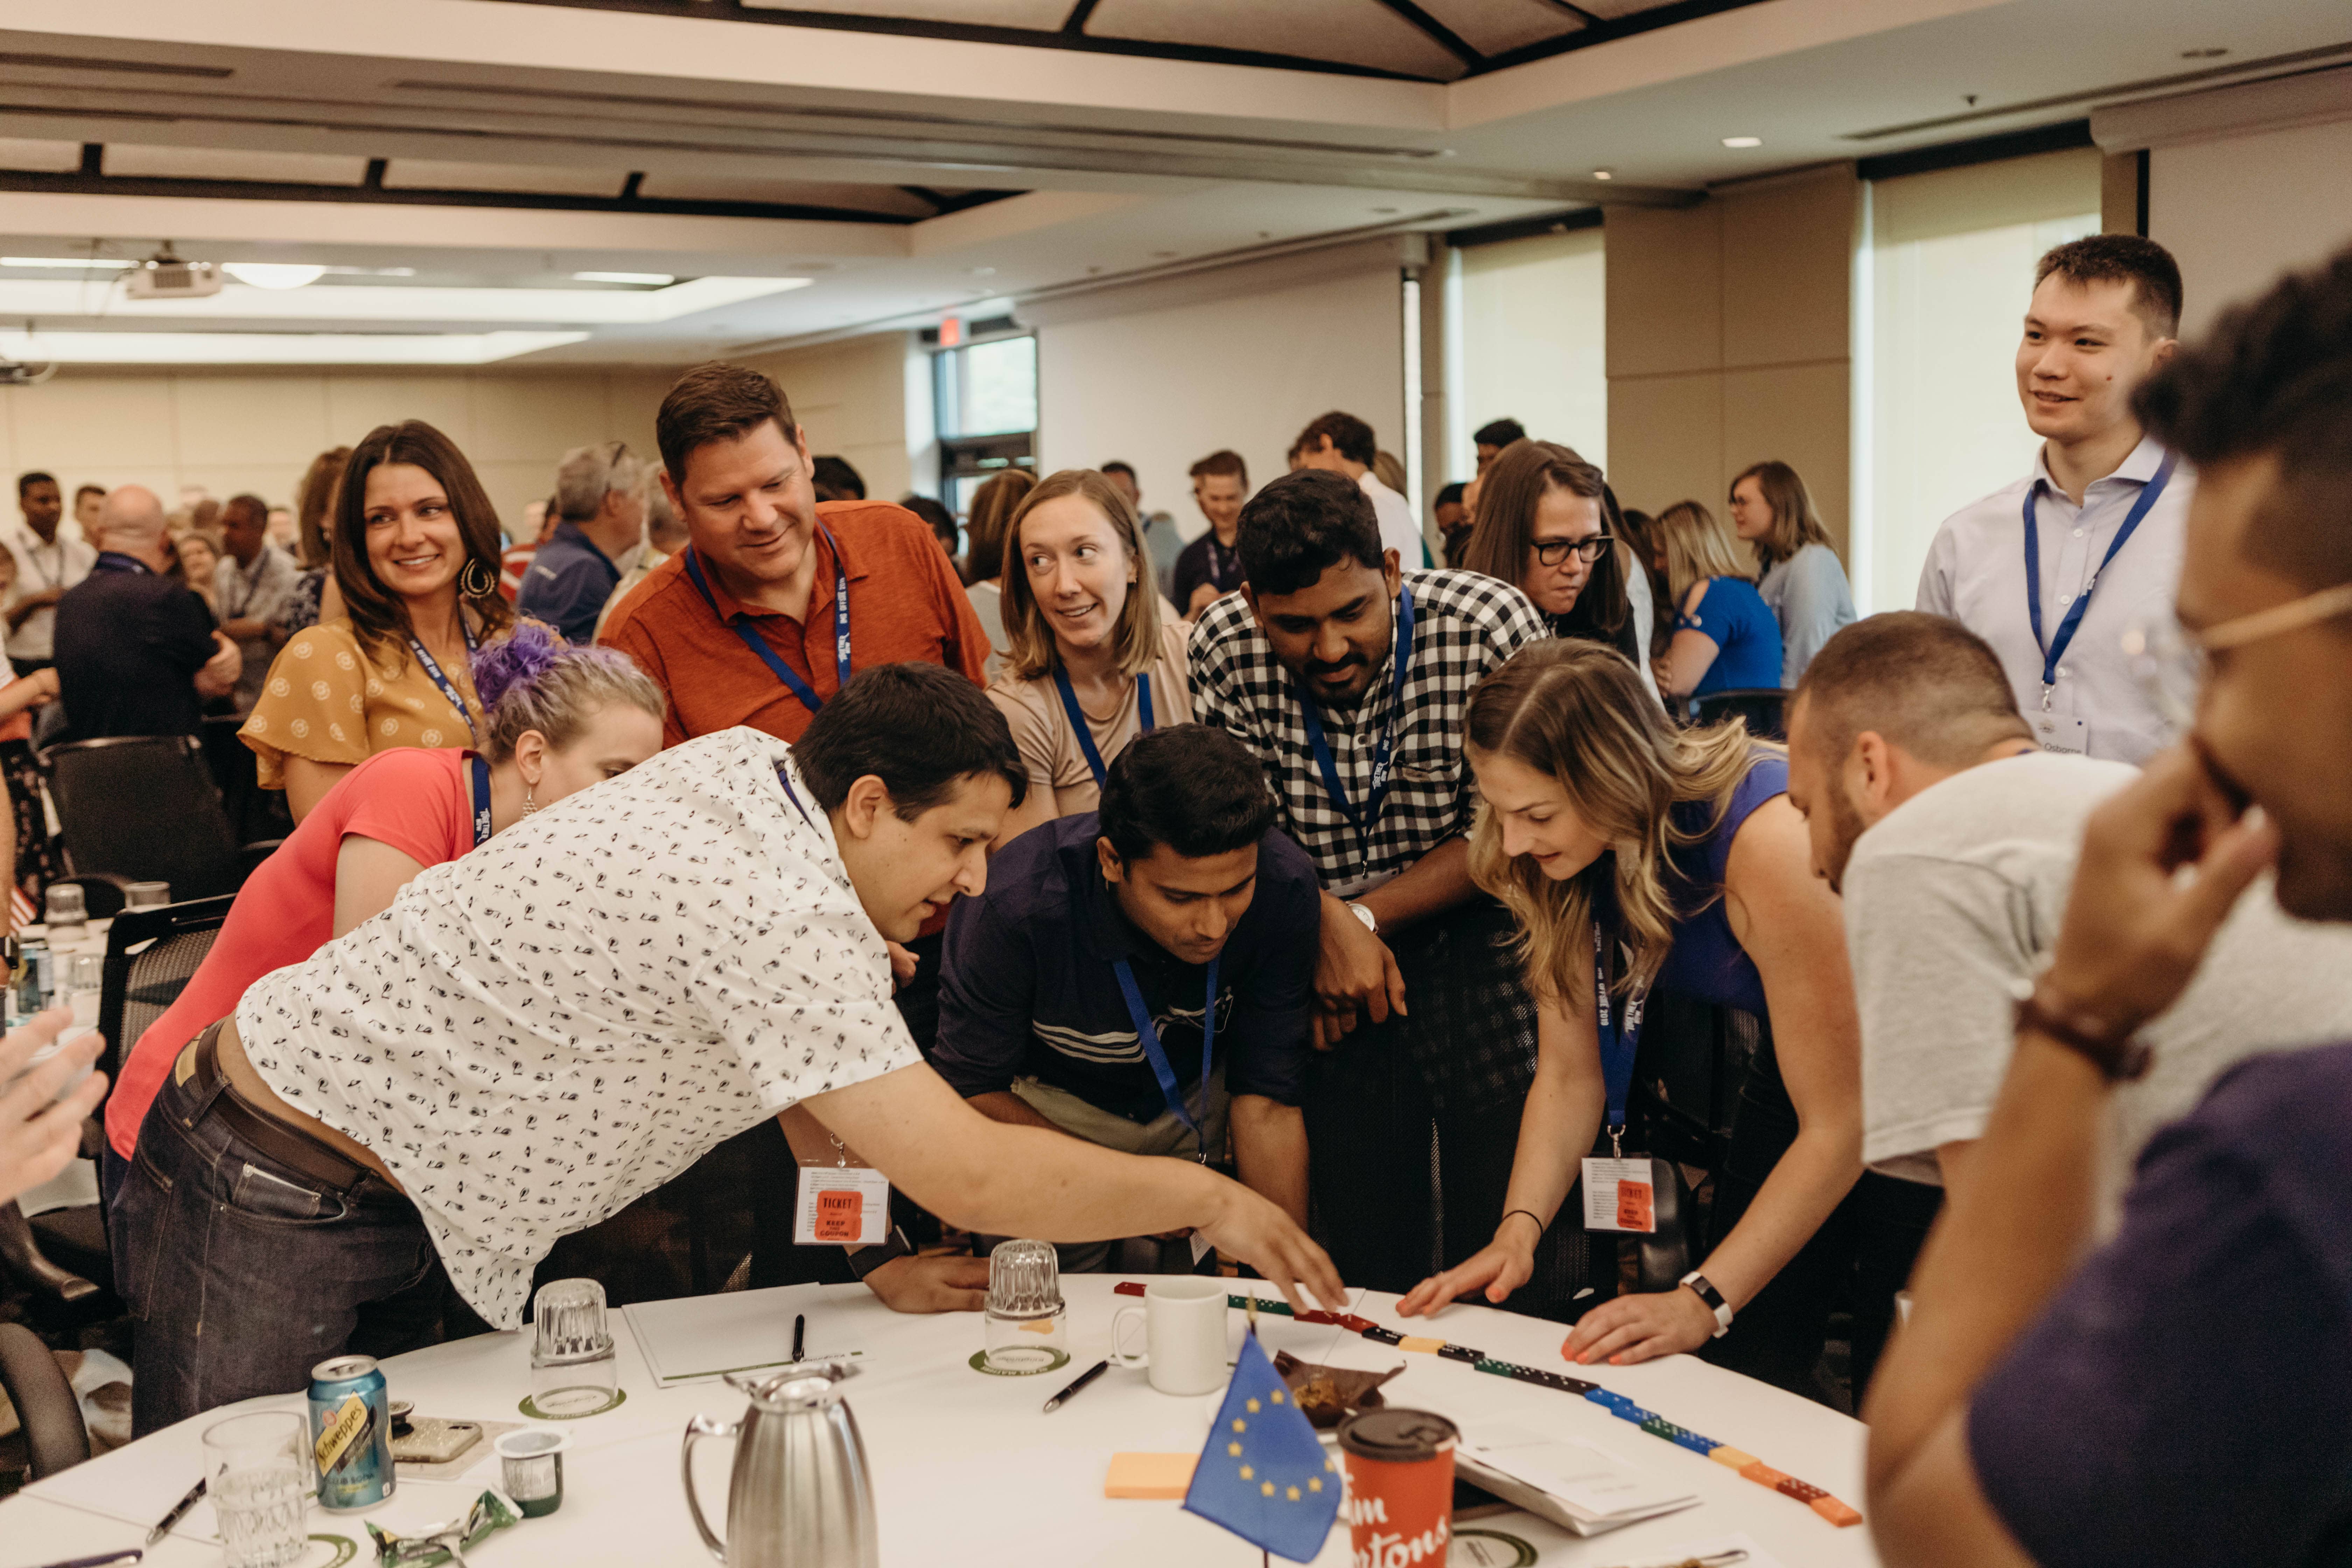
(1255, 1231)
(2133, 935)
(918, 1284)
(1354, 971)
(1640, 1328)
(39, 1131)
(1500, 1266)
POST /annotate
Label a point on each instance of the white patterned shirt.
(540, 1032)
(1464, 624)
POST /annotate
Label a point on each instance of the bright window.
(986, 396)
(1530, 331)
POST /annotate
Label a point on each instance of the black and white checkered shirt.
(1464, 623)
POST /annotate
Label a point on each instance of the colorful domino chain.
(1617, 1404)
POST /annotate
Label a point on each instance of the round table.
(969, 1470)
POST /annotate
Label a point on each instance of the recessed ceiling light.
(64, 261)
(657, 279)
(273, 274)
(1604, 174)
(1743, 141)
(983, 271)
(2204, 54)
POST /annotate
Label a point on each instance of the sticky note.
(1162, 1476)
(1426, 1347)
(1837, 1513)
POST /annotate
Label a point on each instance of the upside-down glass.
(258, 1475)
(573, 1369)
(1027, 1322)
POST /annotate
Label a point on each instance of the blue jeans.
(242, 1273)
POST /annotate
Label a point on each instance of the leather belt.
(286, 1145)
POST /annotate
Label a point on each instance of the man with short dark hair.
(47, 566)
(1211, 566)
(2054, 570)
(1343, 443)
(85, 508)
(1346, 675)
(1451, 512)
(832, 479)
(1162, 541)
(252, 584)
(1142, 975)
(778, 597)
(600, 491)
(2177, 1396)
(428, 1102)
(1493, 436)
(136, 650)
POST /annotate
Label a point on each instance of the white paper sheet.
(699, 1339)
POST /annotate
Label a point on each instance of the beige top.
(1049, 747)
(326, 700)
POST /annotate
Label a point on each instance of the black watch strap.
(865, 1260)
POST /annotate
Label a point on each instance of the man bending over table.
(1076, 991)
(537, 1033)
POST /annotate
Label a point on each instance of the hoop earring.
(476, 580)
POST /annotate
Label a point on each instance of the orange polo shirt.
(905, 604)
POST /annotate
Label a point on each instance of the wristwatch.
(1372, 921)
(865, 1260)
(1695, 1283)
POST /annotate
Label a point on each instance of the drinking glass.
(65, 909)
(573, 1369)
(146, 895)
(257, 1473)
(1027, 1322)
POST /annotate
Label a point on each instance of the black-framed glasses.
(1552, 551)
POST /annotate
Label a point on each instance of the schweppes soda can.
(350, 1432)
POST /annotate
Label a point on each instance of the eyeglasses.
(2172, 663)
(1552, 551)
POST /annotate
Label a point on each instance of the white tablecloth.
(968, 1469)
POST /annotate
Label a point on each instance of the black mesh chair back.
(55, 1435)
(149, 956)
(1761, 706)
(144, 807)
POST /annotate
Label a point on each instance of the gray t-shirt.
(1808, 591)
(1959, 892)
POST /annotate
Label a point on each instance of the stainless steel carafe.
(801, 1495)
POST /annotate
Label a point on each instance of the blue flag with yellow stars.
(1264, 1476)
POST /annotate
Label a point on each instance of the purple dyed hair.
(535, 680)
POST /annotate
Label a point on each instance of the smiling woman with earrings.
(414, 545)
(1093, 663)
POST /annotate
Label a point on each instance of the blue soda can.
(351, 1433)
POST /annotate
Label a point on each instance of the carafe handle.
(700, 1428)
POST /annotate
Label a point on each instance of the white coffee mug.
(1184, 1335)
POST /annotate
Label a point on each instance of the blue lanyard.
(1619, 1042)
(1078, 719)
(481, 800)
(1385, 751)
(1149, 1038)
(433, 669)
(743, 628)
(115, 561)
(794, 796)
(2054, 650)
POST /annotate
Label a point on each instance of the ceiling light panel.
(39, 157)
(134, 161)
(20, 298)
(276, 348)
(542, 179)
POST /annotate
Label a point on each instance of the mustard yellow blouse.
(327, 700)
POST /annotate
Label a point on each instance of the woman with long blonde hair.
(1093, 663)
(1726, 637)
(1634, 855)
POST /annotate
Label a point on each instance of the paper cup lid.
(1397, 1437)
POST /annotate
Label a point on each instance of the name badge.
(842, 1205)
(1618, 1196)
(2068, 737)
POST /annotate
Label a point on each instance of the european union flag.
(1264, 1476)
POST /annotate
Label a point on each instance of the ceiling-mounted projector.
(165, 276)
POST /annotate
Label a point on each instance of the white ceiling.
(497, 147)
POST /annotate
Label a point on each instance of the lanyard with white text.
(433, 669)
(1078, 719)
(1148, 1039)
(2055, 649)
(481, 799)
(1618, 1042)
(1385, 751)
(742, 626)
(115, 561)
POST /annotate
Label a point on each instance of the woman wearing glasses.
(1547, 523)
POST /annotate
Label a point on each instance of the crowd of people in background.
(1351, 857)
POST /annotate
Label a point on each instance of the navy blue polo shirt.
(567, 582)
(1027, 986)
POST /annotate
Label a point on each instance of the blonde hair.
(1577, 713)
(1029, 641)
(1698, 547)
(1795, 523)
(992, 506)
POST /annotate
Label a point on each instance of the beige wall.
(852, 398)
(258, 430)
(1727, 336)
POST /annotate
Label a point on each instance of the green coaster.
(530, 1409)
(341, 1547)
(1490, 1549)
(980, 1363)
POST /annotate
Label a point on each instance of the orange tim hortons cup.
(1399, 1502)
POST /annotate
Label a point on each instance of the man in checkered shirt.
(1423, 1016)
